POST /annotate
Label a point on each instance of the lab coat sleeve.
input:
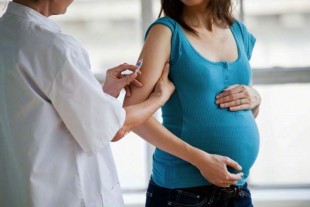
(92, 117)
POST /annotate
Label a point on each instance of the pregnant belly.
(235, 136)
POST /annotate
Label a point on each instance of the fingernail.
(217, 102)
(222, 105)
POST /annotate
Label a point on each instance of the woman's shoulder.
(239, 26)
(247, 37)
(164, 21)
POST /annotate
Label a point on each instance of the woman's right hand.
(164, 88)
(214, 169)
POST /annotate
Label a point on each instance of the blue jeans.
(202, 196)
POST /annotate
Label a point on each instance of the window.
(282, 31)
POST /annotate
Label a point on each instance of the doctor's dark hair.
(217, 11)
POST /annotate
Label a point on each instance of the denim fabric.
(202, 196)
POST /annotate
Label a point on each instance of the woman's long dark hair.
(217, 11)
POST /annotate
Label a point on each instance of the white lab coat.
(55, 122)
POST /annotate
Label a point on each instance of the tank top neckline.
(206, 59)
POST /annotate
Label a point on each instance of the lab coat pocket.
(112, 197)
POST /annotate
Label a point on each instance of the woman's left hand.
(238, 97)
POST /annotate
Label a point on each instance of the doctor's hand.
(115, 81)
(238, 97)
(164, 88)
(214, 168)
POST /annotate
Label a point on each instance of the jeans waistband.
(216, 192)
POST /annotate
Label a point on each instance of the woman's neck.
(195, 16)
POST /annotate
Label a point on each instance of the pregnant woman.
(213, 107)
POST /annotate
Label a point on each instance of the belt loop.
(236, 192)
(241, 193)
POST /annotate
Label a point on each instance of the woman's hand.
(164, 87)
(238, 97)
(214, 169)
(115, 81)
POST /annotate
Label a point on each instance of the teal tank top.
(192, 114)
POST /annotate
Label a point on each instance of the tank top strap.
(247, 39)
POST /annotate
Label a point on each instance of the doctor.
(56, 120)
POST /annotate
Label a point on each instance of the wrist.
(159, 98)
(255, 111)
(197, 156)
(256, 108)
(110, 92)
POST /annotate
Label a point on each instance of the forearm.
(138, 114)
(156, 134)
(255, 111)
(257, 99)
(212, 167)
